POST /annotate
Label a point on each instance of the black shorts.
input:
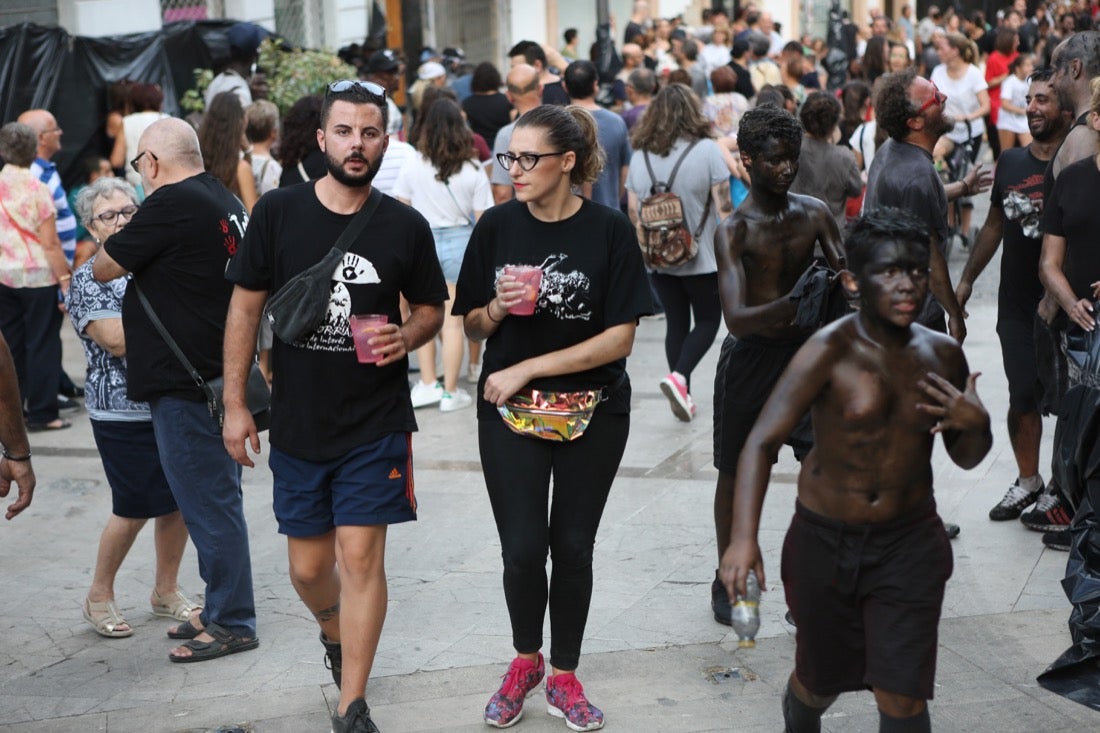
(748, 369)
(866, 601)
(131, 462)
(1021, 366)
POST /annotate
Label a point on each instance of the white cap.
(431, 70)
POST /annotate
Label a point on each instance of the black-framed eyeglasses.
(109, 217)
(134, 162)
(345, 85)
(526, 161)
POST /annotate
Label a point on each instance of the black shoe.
(1050, 513)
(334, 658)
(1016, 499)
(789, 618)
(720, 602)
(355, 720)
(952, 530)
(67, 404)
(72, 391)
(1058, 539)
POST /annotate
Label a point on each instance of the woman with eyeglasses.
(574, 346)
(123, 430)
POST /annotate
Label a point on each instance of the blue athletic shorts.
(369, 485)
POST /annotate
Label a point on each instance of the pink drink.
(363, 328)
(531, 277)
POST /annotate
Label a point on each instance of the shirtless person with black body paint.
(866, 557)
(762, 250)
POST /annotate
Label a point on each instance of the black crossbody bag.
(257, 394)
(299, 306)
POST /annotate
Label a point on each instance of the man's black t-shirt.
(554, 93)
(1018, 192)
(324, 402)
(593, 279)
(1071, 212)
(744, 80)
(177, 246)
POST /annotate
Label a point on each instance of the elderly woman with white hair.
(123, 430)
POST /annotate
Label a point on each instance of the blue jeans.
(206, 483)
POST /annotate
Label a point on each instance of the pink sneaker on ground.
(505, 707)
(675, 389)
(565, 699)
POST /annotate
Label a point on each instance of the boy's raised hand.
(953, 410)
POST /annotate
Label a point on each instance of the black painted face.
(774, 167)
(894, 282)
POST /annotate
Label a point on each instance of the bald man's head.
(46, 128)
(524, 88)
(174, 142)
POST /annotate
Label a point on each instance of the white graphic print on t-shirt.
(565, 295)
(334, 334)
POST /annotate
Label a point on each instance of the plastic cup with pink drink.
(363, 328)
(531, 277)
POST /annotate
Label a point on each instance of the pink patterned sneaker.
(565, 699)
(675, 389)
(505, 707)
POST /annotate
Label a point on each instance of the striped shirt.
(46, 172)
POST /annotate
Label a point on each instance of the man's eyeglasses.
(134, 162)
(526, 161)
(346, 85)
(109, 217)
(937, 97)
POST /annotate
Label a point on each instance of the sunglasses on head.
(346, 85)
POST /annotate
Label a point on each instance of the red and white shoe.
(675, 389)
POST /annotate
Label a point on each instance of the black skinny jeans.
(518, 470)
(684, 298)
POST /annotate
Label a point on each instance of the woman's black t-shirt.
(593, 279)
(487, 113)
(314, 164)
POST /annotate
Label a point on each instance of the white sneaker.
(455, 400)
(426, 394)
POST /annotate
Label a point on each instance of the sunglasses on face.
(937, 98)
(526, 161)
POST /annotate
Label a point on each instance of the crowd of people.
(822, 183)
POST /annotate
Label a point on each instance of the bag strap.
(199, 381)
(671, 176)
(356, 225)
(302, 172)
(468, 216)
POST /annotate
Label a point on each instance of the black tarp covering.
(1076, 673)
(69, 75)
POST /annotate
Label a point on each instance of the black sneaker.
(334, 658)
(720, 602)
(952, 530)
(1058, 539)
(67, 404)
(1049, 515)
(1016, 499)
(355, 720)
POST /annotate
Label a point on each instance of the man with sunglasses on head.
(341, 430)
(177, 246)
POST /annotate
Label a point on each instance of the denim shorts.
(450, 247)
(368, 485)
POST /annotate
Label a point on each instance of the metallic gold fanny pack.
(558, 416)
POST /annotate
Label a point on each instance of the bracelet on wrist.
(489, 312)
(17, 459)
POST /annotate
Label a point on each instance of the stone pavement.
(654, 658)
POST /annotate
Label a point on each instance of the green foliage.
(293, 74)
(192, 100)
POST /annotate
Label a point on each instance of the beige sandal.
(105, 619)
(173, 605)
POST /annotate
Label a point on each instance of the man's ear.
(848, 282)
(1076, 68)
(746, 160)
(321, 140)
(915, 123)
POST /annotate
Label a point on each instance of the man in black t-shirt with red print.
(341, 452)
(1015, 212)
